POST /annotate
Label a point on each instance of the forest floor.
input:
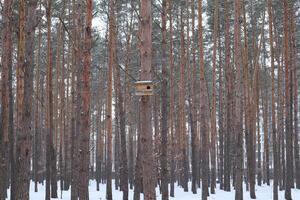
(262, 193)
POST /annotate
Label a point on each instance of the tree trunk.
(37, 131)
(164, 111)
(288, 105)
(194, 128)
(122, 125)
(295, 98)
(51, 159)
(24, 94)
(229, 103)
(84, 153)
(204, 111)
(238, 130)
(214, 101)
(7, 45)
(274, 131)
(171, 125)
(111, 64)
(146, 130)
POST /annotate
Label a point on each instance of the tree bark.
(274, 131)
(172, 96)
(288, 105)
(194, 128)
(238, 130)
(164, 111)
(84, 151)
(7, 47)
(111, 64)
(229, 103)
(214, 101)
(145, 102)
(204, 111)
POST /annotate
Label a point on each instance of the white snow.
(262, 193)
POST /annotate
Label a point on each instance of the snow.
(262, 193)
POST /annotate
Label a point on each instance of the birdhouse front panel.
(144, 88)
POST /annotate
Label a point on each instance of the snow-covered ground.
(262, 193)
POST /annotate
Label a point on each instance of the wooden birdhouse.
(144, 88)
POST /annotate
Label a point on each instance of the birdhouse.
(144, 88)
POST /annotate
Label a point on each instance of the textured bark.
(128, 102)
(11, 131)
(221, 114)
(122, 125)
(214, 102)
(37, 130)
(99, 129)
(24, 94)
(288, 105)
(164, 111)
(171, 125)
(194, 128)
(238, 129)
(254, 99)
(295, 86)
(111, 63)
(5, 94)
(74, 125)
(183, 165)
(50, 152)
(138, 176)
(116, 137)
(247, 89)
(84, 151)
(266, 140)
(63, 146)
(274, 131)
(280, 110)
(56, 108)
(145, 102)
(204, 111)
(229, 103)
(68, 112)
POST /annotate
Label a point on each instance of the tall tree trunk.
(221, 112)
(182, 116)
(295, 98)
(247, 89)
(164, 112)
(111, 64)
(238, 130)
(37, 130)
(128, 102)
(84, 153)
(68, 113)
(280, 120)
(288, 105)
(122, 125)
(214, 101)
(24, 93)
(51, 159)
(274, 131)
(99, 130)
(171, 125)
(266, 139)
(11, 131)
(7, 47)
(74, 134)
(194, 129)
(146, 130)
(229, 102)
(204, 110)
